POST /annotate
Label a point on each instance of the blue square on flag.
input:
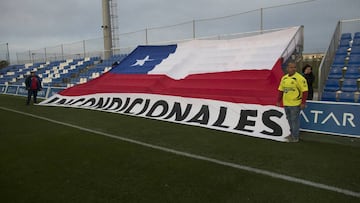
(143, 59)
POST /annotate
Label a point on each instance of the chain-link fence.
(211, 28)
(81, 49)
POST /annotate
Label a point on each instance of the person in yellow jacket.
(293, 90)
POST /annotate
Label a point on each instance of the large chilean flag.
(228, 85)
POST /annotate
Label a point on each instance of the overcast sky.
(34, 24)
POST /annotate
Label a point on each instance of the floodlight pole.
(194, 31)
(45, 54)
(261, 20)
(146, 37)
(7, 53)
(106, 26)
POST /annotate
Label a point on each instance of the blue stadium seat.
(355, 50)
(342, 51)
(339, 60)
(346, 36)
(328, 96)
(344, 43)
(352, 73)
(3, 80)
(336, 72)
(354, 60)
(347, 97)
(349, 85)
(332, 85)
(353, 66)
(356, 42)
(357, 35)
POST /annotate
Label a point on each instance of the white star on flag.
(141, 62)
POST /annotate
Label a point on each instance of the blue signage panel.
(42, 93)
(11, 89)
(54, 90)
(22, 91)
(332, 118)
(2, 89)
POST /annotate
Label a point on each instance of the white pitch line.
(199, 157)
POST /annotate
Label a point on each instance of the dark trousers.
(310, 94)
(31, 92)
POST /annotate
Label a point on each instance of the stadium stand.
(343, 82)
(63, 73)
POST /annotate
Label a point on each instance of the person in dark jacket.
(33, 85)
(310, 78)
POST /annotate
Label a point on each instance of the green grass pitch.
(41, 161)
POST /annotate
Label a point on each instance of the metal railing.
(295, 46)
